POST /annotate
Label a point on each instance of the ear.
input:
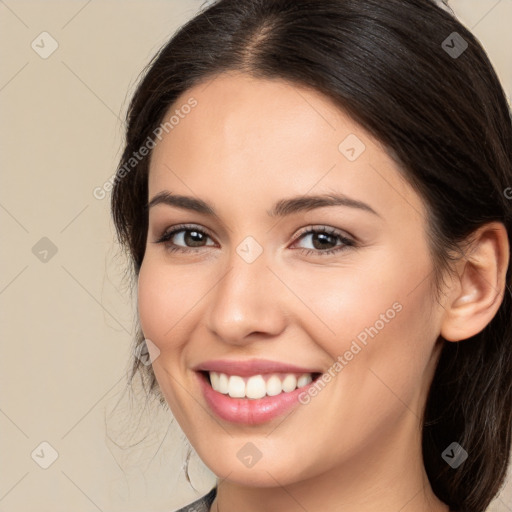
(477, 290)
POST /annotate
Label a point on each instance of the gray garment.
(202, 504)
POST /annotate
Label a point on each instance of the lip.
(249, 411)
(250, 367)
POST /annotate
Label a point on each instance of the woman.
(315, 197)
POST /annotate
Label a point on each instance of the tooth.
(289, 383)
(236, 387)
(304, 380)
(274, 386)
(256, 387)
(223, 383)
(214, 379)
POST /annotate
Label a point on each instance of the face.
(294, 336)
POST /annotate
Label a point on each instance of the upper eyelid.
(187, 227)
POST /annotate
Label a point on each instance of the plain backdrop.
(70, 438)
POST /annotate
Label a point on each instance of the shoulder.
(202, 504)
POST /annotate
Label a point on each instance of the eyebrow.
(282, 208)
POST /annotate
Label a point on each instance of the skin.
(247, 144)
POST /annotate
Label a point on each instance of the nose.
(247, 303)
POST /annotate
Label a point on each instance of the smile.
(258, 386)
(252, 392)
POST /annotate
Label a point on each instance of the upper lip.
(250, 367)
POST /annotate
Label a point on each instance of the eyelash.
(346, 242)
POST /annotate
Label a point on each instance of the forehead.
(269, 138)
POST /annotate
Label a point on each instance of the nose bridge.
(246, 299)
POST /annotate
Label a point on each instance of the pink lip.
(251, 367)
(245, 410)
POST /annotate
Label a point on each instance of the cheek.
(165, 298)
(384, 336)
(338, 304)
(376, 317)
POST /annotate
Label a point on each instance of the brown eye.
(183, 238)
(325, 241)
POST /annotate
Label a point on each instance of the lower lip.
(246, 410)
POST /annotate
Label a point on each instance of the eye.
(190, 238)
(325, 241)
(184, 238)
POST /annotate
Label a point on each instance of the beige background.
(67, 322)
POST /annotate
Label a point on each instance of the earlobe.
(477, 291)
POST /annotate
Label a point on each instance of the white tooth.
(214, 379)
(289, 383)
(255, 387)
(274, 386)
(304, 380)
(223, 383)
(236, 387)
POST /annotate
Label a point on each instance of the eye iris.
(193, 238)
(325, 237)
